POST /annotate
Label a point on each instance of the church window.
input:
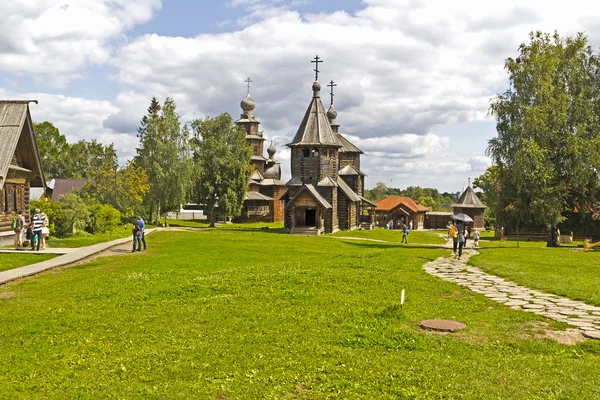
(306, 152)
(315, 152)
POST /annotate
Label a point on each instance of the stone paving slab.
(70, 257)
(585, 317)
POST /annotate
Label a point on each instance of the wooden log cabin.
(20, 164)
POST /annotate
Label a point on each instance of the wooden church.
(20, 165)
(326, 191)
(262, 201)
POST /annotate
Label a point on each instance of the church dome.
(271, 151)
(316, 86)
(248, 104)
(331, 113)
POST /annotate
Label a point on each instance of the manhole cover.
(442, 325)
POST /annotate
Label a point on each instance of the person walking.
(45, 230)
(143, 226)
(476, 236)
(137, 235)
(19, 227)
(38, 221)
(404, 234)
(457, 234)
(410, 225)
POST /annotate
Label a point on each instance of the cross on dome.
(248, 81)
(316, 61)
(331, 85)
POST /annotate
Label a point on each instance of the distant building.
(20, 165)
(262, 201)
(325, 193)
(58, 187)
(401, 210)
(468, 203)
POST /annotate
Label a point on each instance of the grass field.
(564, 271)
(12, 260)
(414, 237)
(85, 239)
(247, 313)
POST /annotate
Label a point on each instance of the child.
(476, 236)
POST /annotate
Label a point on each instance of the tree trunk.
(551, 242)
(212, 216)
(518, 243)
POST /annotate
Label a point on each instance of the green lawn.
(414, 237)
(85, 239)
(247, 313)
(563, 271)
(14, 260)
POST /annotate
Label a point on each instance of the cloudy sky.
(414, 77)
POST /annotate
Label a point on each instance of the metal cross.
(248, 80)
(331, 85)
(316, 61)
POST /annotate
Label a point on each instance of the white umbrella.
(462, 217)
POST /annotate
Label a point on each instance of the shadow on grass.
(387, 245)
(278, 231)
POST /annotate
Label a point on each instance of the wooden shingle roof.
(16, 130)
(468, 199)
(315, 130)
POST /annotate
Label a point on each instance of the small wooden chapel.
(20, 164)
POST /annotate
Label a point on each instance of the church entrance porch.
(310, 218)
(307, 221)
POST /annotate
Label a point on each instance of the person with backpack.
(18, 225)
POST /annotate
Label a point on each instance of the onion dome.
(271, 151)
(316, 87)
(331, 113)
(248, 104)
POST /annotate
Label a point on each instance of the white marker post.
(402, 299)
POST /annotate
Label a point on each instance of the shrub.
(75, 214)
(103, 218)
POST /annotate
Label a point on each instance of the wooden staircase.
(308, 231)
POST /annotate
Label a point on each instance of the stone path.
(48, 250)
(71, 257)
(583, 316)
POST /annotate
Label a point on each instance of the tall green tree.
(222, 164)
(548, 146)
(53, 149)
(165, 156)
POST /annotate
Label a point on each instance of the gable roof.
(295, 181)
(310, 189)
(468, 199)
(347, 190)
(257, 196)
(16, 131)
(327, 182)
(347, 147)
(350, 170)
(315, 128)
(391, 202)
(64, 186)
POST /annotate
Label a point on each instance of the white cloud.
(78, 119)
(53, 40)
(404, 69)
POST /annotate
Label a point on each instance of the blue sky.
(415, 78)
